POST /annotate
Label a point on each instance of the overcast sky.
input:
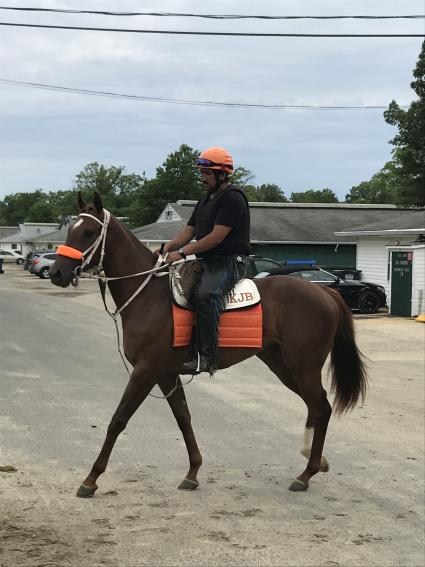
(47, 137)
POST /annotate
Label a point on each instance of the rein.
(94, 273)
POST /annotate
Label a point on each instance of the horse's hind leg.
(319, 413)
(178, 405)
(307, 442)
(138, 387)
(272, 357)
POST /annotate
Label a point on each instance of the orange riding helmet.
(215, 158)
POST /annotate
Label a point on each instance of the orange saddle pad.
(238, 328)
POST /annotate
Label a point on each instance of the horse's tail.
(349, 376)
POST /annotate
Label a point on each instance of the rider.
(220, 223)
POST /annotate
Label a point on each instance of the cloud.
(46, 138)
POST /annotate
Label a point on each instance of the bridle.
(95, 273)
(87, 255)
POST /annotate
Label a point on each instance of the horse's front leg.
(140, 384)
(178, 406)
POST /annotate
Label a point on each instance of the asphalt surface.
(61, 379)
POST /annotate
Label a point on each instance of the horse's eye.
(88, 232)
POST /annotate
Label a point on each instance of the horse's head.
(84, 244)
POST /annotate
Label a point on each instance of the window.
(263, 265)
(317, 276)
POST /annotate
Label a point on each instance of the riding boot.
(204, 358)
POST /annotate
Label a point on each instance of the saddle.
(241, 323)
(186, 276)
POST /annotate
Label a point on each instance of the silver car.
(40, 265)
(11, 256)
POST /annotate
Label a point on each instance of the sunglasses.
(202, 162)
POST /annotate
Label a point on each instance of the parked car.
(345, 273)
(40, 265)
(258, 264)
(11, 256)
(31, 255)
(364, 296)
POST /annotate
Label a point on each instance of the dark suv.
(364, 296)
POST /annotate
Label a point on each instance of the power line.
(214, 16)
(231, 34)
(190, 102)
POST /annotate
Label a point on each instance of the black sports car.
(364, 296)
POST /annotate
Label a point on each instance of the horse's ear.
(80, 201)
(97, 201)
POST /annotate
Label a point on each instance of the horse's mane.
(91, 209)
(133, 237)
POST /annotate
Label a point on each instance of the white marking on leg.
(308, 441)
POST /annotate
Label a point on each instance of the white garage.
(394, 257)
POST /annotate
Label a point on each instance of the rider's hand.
(157, 252)
(173, 257)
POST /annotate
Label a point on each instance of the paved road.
(61, 379)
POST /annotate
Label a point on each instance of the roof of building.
(159, 231)
(28, 231)
(7, 231)
(56, 236)
(289, 222)
(410, 222)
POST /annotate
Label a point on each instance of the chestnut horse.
(302, 324)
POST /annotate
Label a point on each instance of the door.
(401, 284)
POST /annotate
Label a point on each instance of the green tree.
(409, 143)
(271, 193)
(266, 193)
(64, 204)
(41, 211)
(117, 188)
(314, 196)
(16, 206)
(383, 187)
(242, 177)
(176, 179)
(3, 214)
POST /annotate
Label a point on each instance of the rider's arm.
(183, 237)
(211, 240)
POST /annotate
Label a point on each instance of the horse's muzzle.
(61, 275)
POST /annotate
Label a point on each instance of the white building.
(392, 254)
(27, 232)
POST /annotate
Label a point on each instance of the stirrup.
(195, 366)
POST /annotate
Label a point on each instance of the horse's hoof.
(298, 486)
(187, 484)
(324, 465)
(86, 491)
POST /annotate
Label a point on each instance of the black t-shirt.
(229, 208)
